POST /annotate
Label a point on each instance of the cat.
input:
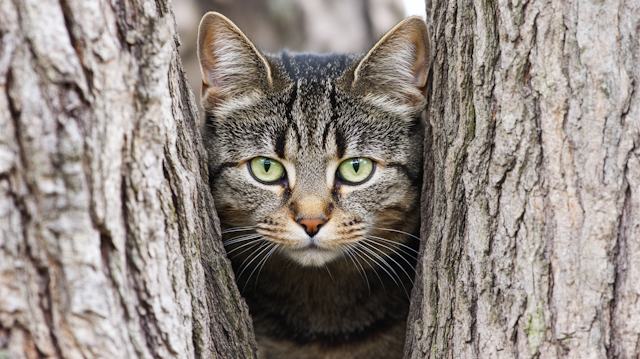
(316, 169)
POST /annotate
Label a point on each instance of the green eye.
(355, 170)
(266, 170)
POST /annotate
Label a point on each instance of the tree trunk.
(531, 203)
(109, 241)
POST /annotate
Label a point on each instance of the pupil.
(356, 165)
(267, 165)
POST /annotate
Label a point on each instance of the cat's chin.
(313, 256)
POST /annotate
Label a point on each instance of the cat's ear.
(394, 72)
(231, 66)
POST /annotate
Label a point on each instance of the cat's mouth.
(313, 254)
(312, 245)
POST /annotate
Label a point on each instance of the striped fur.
(310, 112)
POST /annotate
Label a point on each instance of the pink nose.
(312, 225)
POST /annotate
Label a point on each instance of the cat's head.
(315, 155)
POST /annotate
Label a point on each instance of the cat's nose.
(312, 225)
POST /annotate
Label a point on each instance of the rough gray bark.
(109, 242)
(531, 230)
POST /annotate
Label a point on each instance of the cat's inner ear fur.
(231, 66)
(394, 72)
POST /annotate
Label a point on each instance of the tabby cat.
(316, 168)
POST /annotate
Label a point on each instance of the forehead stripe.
(281, 137)
(341, 142)
(281, 141)
(325, 133)
(334, 115)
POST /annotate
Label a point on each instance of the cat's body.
(308, 313)
(324, 263)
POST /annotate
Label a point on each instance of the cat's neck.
(340, 301)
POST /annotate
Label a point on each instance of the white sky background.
(414, 7)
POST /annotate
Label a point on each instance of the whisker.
(262, 245)
(266, 247)
(370, 240)
(398, 243)
(261, 264)
(389, 256)
(236, 239)
(239, 229)
(248, 249)
(328, 271)
(356, 253)
(397, 231)
(348, 253)
(242, 246)
(374, 271)
(364, 243)
(401, 252)
(355, 262)
(380, 265)
(277, 247)
(390, 267)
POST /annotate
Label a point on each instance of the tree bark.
(531, 203)
(109, 241)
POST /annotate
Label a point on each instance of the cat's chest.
(316, 306)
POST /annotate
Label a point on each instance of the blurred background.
(298, 25)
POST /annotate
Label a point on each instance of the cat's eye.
(355, 170)
(266, 170)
